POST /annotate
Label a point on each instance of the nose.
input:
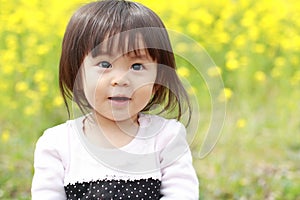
(120, 79)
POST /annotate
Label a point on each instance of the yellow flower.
(223, 37)
(11, 42)
(181, 47)
(43, 88)
(58, 101)
(259, 48)
(42, 49)
(194, 28)
(260, 76)
(240, 40)
(214, 71)
(30, 110)
(276, 72)
(296, 78)
(249, 18)
(225, 94)
(280, 61)
(39, 76)
(3, 86)
(183, 72)
(5, 136)
(205, 17)
(231, 55)
(241, 123)
(8, 69)
(192, 90)
(21, 86)
(232, 64)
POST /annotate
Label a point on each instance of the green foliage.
(255, 47)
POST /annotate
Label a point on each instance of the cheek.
(143, 94)
(92, 88)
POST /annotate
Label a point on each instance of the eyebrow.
(138, 54)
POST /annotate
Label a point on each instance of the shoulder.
(170, 139)
(160, 122)
(55, 133)
(165, 130)
(57, 136)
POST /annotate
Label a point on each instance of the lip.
(119, 100)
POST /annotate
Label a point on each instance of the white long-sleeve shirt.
(156, 164)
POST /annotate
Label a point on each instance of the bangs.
(128, 42)
(120, 26)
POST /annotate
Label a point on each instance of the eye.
(104, 64)
(137, 66)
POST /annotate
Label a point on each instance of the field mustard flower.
(5, 136)
(39, 76)
(241, 123)
(225, 95)
(58, 101)
(276, 72)
(280, 61)
(232, 64)
(181, 47)
(259, 48)
(214, 71)
(21, 86)
(192, 90)
(295, 79)
(194, 28)
(7, 69)
(183, 72)
(260, 76)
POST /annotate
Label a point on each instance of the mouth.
(119, 98)
(119, 101)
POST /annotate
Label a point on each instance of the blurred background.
(256, 49)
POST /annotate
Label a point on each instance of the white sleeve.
(179, 179)
(47, 183)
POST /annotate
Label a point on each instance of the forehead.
(122, 44)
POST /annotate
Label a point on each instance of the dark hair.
(95, 22)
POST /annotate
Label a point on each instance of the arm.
(179, 179)
(48, 176)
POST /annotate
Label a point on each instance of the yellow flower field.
(255, 49)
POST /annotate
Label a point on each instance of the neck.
(105, 132)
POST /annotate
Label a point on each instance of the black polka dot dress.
(114, 189)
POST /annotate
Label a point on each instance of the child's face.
(119, 86)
